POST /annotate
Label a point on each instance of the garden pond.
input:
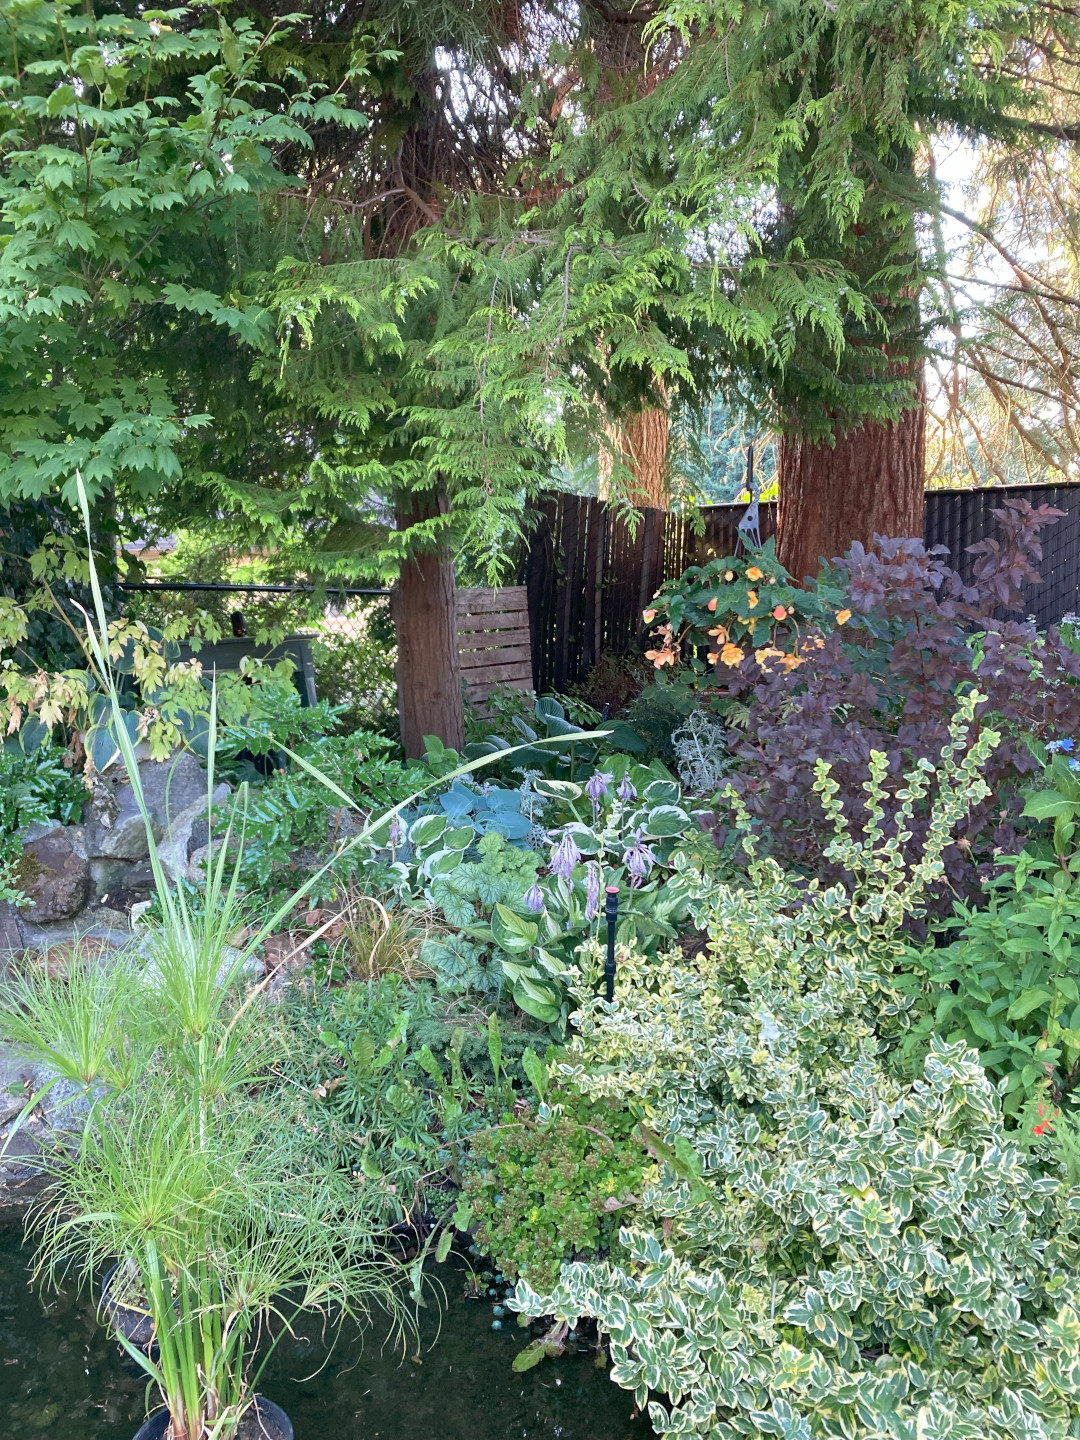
(63, 1378)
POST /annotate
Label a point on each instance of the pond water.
(62, 1378)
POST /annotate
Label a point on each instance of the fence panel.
(589, 576)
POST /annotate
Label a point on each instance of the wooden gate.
(494, 647)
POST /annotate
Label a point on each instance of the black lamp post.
(611, 910)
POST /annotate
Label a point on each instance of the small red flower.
(1044, 1124)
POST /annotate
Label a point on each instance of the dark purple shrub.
(888, 680)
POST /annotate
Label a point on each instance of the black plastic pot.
(263, 1420)
(135, 1325)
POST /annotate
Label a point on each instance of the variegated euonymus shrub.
(833, 1248)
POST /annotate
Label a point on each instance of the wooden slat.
(499, 674)
(504, 620)
(481, 601)
(483, 659)
(491, 639)
(479, 691)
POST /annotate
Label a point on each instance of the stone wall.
(84, 879)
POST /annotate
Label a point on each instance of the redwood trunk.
(424, 608)
(870, 483)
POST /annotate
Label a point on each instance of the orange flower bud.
(779, 612)
(712, 604)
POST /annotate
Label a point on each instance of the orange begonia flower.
(753, 573)
(648, 616)
(731, 654)
(843, 616)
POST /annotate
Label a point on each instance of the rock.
(117, 830)
(55, 874)
(196, 869)
(170, 787)
(174, 849)
(120, 883)
(57, 958)
(344, 823)
(137, 911)
(49, 1125)
(11, 941)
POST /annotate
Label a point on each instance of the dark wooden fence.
(589, 578)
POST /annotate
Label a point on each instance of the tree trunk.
(424, 608)
(870, 483)
(642, 440)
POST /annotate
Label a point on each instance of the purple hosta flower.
(564, 856)
(626, 792)
(534, 898)
(397, 832)
(596, 786)
(592, 892)
(639, 860)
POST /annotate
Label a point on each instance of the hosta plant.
(834, 1248)
(533, 911)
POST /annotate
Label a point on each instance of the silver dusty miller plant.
(701, 753)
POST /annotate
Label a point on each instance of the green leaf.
(1045, 804)
(511, 931)
(566, 790)
(538, 999)
(426, 830)
(665, 821)
(446, 1239)
(536, 1071)
(363, 1049)
(494, 1043)
(984, 1028)
(1027, 1001)
(531, 1356)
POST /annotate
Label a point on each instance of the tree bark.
(642, 440)
(869, 483)
(424, 607)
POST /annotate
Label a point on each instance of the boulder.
(170, 787)
(118, 883)
(52, 1123)
(55, 873)
(176, 846)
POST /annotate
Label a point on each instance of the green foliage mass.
(133, 149)
(834, 1246)
(1007, 985)
(554, 1184)
(395, 1079)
